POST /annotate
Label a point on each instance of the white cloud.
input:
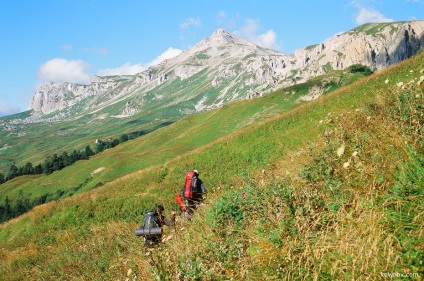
(168, 54)
(67, 47)
(249, 32)
(366, 15)
(189, 22)
(224, 20)
(63, 70)
(222, 14)
(267, 39)
(128, 69)
(8, 109)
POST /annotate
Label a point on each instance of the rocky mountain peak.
(225, 67)
(222, 37)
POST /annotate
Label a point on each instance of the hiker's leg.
(190, 209)
(147, 243)
(197, 202)
(151, 242)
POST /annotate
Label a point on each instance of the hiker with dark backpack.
(193, 192)
(151, 228)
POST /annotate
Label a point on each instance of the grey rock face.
(238, 69)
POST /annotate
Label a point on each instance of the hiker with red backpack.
(192, 193)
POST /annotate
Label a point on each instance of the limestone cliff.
(225, 67)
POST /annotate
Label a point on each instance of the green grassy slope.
(157, 146)
(283, 203)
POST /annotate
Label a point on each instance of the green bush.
(355, 68)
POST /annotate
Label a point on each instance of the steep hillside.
(155, 147)
(219, 69)
(329, 190)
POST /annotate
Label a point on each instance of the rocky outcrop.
(129, 109)
(374, 45)
(186, 71)
(55, 96)
(227, 67)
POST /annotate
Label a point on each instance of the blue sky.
(73, 40)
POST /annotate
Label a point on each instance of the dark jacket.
(163, 221)
(200, 187)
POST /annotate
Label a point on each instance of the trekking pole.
(175, 220)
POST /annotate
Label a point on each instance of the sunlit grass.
(281, 203)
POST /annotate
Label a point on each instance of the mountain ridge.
(197, 80)
(248, 69)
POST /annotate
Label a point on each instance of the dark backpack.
(150, 226)
(150, 219)
(190, 186)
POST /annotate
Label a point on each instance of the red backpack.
(190, 185)
(180, 202)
